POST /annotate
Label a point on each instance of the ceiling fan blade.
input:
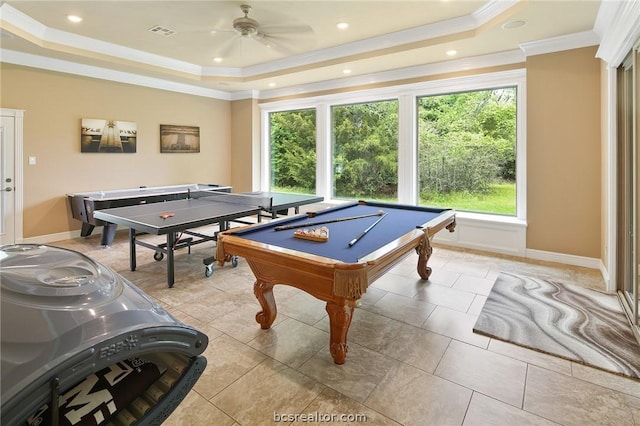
(226, 48)
(286, 45)
(221, 31)
(286, 29)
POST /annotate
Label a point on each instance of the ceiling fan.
(286, 38)
(247, 27)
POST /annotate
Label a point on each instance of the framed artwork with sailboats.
(109, 136)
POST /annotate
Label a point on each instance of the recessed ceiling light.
(347, 71)
(452, 52)
(272, 85)
(74, 18)
(513, 24)
(217, 59)
(342, 25)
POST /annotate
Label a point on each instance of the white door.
(7, 183)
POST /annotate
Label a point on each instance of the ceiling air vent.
(162, 31)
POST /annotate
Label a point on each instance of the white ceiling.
(302, 45)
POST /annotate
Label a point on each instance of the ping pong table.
(83, 204)
(181, 217)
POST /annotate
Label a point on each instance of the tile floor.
(413, 358)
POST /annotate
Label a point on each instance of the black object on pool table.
(363, 233)
(322, 222)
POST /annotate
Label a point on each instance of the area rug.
(568, 321)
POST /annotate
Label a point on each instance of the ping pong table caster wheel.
(234, 261)
(208, 270)
(158, 256)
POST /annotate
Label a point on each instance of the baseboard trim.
(52, 238)
(567, 259)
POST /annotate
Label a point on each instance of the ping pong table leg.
(108, 234)
(171, 241)
(132, 249)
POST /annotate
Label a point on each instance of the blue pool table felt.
(397, 222)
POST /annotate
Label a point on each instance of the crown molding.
(618, 25)
(49, 64)
(560, 43)
(456, 65)
(245, 94)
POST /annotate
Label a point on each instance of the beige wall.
(564, 153)
(245, 145)
(55, 103)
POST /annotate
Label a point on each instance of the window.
(365, 151)
(292, 136)
(467, 150)
(455, 143)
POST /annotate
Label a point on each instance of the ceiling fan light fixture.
(246, 26)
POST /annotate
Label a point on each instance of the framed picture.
(179, 138)
(100, 135)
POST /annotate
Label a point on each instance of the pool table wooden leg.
(339, 322)
(424, 250)
(264, 293)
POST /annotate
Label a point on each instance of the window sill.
(490, 218)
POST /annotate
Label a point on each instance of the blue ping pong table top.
(195, 212)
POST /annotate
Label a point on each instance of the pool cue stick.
(363, 233)
(340, 219)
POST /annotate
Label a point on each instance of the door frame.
(627, 192)
(18, 168)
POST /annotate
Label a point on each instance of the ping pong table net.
(265, 203)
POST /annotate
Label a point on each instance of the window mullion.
(324, 176)
(407, 150)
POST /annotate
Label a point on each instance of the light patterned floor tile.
(303, 307)
(342, 410)
(571, 401)
(447, 297)
(399, 284)
(290, 341)
(484, 411)
(227, 361)
(196, 410)
(474, 284)
(454, 324)
(271, 387)
(549, 362)
(489, 373)
(618, 383)
(412, 397)
(356, 378)
(402, 308)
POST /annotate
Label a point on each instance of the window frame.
(407, 133)
(332, 139)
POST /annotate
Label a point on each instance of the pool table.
(334, 271)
